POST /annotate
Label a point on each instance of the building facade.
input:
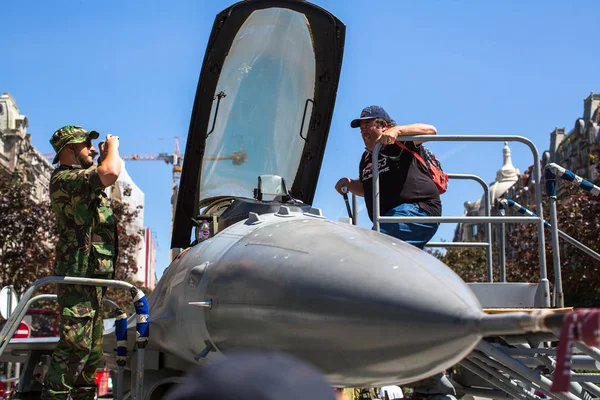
(573, 150)
(17, 154)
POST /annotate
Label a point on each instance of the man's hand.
(109, 163)
(112, 141)
(389, 135)
(341, 183)
(354, 186)
(410, 129)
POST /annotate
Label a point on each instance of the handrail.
(377, 218)
(553, 170)
(139, 301)
(475, 220)
(569, 239)
(488, 226)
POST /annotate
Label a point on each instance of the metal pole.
(375, 163)
(457, 244)
(550, 185)
(488, 213)
(502, 252)
(139, 386)
(474, 220)
(502, 213)
(120, 382)
(579, 245)
(559, 300)
(11, 288)
(345, 195)
(354, 209)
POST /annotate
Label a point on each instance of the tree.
(27, 234)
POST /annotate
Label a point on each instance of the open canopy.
(263, 105)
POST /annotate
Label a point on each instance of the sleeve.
(82, 182)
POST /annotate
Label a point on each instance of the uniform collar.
(72, 166)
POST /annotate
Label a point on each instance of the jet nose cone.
(364, 307)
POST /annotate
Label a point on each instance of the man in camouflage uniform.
(87, 247)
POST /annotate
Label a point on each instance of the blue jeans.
(417, 234)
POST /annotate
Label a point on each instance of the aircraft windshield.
(266, 79)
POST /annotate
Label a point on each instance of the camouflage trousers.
(79, 351)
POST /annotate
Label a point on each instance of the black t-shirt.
(402, 179)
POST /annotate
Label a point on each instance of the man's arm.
(409, 130)
(354, 186)
(109, 168)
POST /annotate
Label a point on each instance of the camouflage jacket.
(86, 225)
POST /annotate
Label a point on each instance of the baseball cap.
(370, 112)
(67, 135)
(254, 376)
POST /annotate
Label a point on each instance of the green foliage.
(468, 263)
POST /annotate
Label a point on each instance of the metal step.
(508, 294)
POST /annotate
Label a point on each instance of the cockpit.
(220, 212)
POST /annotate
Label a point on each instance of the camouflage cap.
(67, 135)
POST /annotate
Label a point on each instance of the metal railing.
(139, 301)
(488, 227)
(552, 171)
(487, 244)
(378, 219)
(121, 348)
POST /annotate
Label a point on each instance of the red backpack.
(439, 177)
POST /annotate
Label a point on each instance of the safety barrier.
(551, 172)
(538, 220)
(142, 321)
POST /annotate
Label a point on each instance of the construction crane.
(173, 159)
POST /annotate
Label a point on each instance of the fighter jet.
(273, 273)
(261, 268)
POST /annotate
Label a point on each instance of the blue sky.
(468, 67)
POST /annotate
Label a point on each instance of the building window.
(474, 230)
